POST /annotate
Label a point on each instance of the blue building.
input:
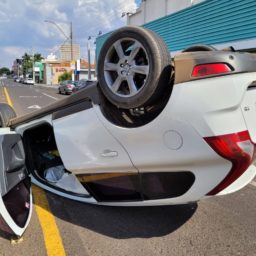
(220, 23)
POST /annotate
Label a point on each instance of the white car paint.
(84, 150)
(172, 142)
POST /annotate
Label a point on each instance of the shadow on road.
(123, 222)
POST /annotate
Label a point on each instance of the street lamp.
(70, 37)
(89, 53)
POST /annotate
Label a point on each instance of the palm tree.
(26, 63)
(38, 57)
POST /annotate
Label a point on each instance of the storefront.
(53, 69)
(38, 72)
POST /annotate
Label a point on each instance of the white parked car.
(152, 131)
(28, 81)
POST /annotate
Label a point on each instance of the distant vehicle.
(4, 76)
(66, 87)
(82, 84)
(28, 81)
(21, 80)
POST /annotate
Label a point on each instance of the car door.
(15, 186)
(91, 152)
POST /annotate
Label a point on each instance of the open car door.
(15, 186)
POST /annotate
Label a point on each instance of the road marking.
(50, 96)
(9, 101)
(35, 106)
(28, 96)
(253, 183)
(52, 238)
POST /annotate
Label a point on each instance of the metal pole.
(71, 50)
(33, 60)
(71, 40)
(89, 61)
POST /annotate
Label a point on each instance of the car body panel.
(166, 144)
(248, 108)
(90, 147)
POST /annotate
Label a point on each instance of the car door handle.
(109, 153)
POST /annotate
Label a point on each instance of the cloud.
(22, 25)
(13, 50)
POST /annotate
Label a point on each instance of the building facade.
(17, 67)
(67, 54)
(82, 70)
(214, 22)
(53, 69)
(151, 10)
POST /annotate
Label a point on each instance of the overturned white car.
(152, 131)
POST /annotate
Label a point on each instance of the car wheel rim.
(126, 67)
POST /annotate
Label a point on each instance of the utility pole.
(71, 40)
(33, 65)
(89, 59)
(70, 37)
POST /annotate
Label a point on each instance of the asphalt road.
(216, 226)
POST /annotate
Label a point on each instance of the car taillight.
(210, 69)
(237, 148)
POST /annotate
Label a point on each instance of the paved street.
(217, 226)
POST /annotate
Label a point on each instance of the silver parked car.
(66, 87)
(82, 84)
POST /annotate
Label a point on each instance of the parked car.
(22, 79)
(82, 84)
(66, 87)
(17, 79)
(28, 80)
(152, 131)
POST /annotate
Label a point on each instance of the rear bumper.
(241, 182)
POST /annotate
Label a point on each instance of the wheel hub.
(125, 68)
(121, 77)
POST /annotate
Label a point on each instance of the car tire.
(6, 114)
(59, 91)
(134, 67)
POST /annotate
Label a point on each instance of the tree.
(37, 57)
(65, 76)
(5, 71)
(27, 61)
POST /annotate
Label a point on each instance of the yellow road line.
(53, 242)
(9, 101)
(52, 238)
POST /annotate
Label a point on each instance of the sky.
(23, 27)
